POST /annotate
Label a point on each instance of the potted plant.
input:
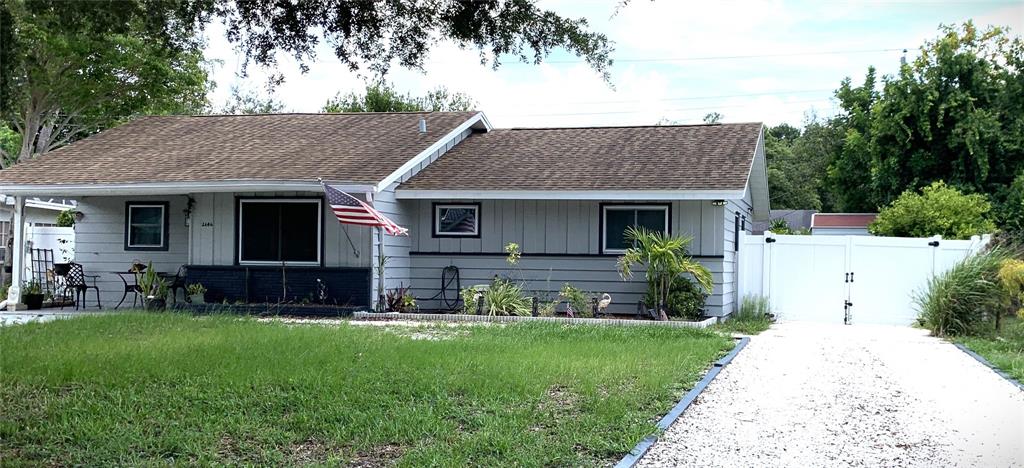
(196, 293)
(152, 287)
(32, 295)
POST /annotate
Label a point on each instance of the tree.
(378, 33)
(382, 97)
(247, 101)
(938, 210)
(665, 258)
(713, 118)
(1009, 207)
(955, 114)
(78, 67)
(797, 164)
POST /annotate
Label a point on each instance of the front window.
(273, 231)
(457, 220)
(618, 218)
(145, 226)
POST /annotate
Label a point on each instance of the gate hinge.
(769, 240)
(934, 243)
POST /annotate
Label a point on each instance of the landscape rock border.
(641, 448)
(515, 318)
(995, 369)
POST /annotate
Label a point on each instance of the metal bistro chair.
(78, 281)
(175, 283)
(129, 287)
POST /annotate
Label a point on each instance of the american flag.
(351, 210)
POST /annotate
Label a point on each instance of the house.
(236, 199)
(841, 224)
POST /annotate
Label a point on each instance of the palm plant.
(665, 257)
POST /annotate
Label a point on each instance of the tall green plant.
(665, 257)
(960, 300)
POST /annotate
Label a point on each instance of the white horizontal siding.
(545, 276)
(99, 242)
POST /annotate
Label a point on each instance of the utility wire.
(719, 57)
(723, 96)
(788, 103)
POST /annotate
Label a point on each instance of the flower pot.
(33, 301)
(197, 298)
(154, 304)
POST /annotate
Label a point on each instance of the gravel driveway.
(805, 394)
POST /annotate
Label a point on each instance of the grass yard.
(144, 389)
(1004, 350)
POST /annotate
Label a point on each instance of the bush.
(502, 297)
(581, 301)
(1009, 209)
(66, 218)
(937, 210)
(1011, 276)
(960, 300)
(685, 299)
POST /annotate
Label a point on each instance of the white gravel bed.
(828, 395)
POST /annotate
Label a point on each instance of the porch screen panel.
(271, 232)
(260, 232)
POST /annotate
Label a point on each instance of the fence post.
(534, 311)
(766, 267)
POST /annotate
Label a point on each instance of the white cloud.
(570, 94)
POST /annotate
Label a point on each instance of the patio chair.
(79, 282)
(176, 283)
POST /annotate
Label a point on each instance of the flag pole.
(383, 265)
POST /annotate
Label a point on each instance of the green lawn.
(1004, 350)
(138, 389)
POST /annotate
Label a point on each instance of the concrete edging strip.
(634, 456)
(998, 371)
(515, 318)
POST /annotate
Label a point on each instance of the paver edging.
(995, 369)
(641, 448)
(514, 318)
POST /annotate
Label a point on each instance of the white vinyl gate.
(844, 279)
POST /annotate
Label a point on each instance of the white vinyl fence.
(61, 240)
(844, 279)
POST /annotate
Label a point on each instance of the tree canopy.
(382, 97)
(72, 68)
(955, 114)
(937, 210)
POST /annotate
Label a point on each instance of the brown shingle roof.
(683, 157)
(842, 220)
(357, 148)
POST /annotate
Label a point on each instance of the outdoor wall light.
(79, 216)
(717, 202)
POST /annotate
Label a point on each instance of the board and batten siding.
(213, 231)
(99, 243)
(403, 213)
(565, 236)
(99, 237)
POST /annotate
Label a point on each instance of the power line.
(566, 114)
(720, 57)
(723, 96)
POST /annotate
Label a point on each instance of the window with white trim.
(457, 220)
(616, 219)
(275, 231)
(145, 226)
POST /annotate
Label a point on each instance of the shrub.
(666, 258)
(581, 301)
(66, 218)
(400, 299)
(685, 299)
(937, 210)
(960, 300)
(506, 298)
(1009, 209)
(1011, 276)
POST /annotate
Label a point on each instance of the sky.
(676, 61)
